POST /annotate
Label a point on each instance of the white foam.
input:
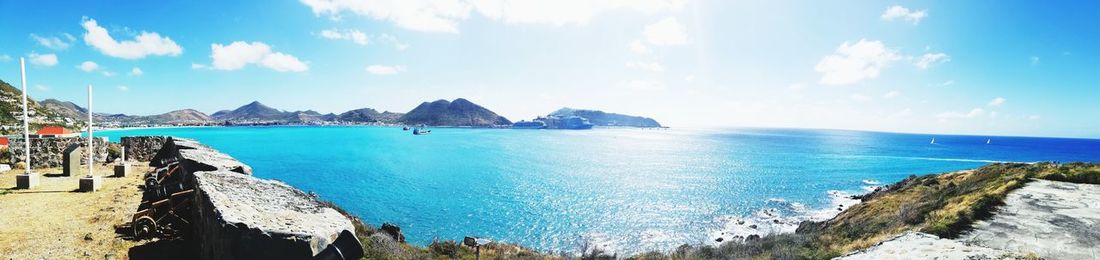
(771, 220)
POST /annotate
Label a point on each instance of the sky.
(950, 67)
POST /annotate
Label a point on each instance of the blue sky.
(970, 67)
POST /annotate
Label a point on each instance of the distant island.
(568, 118)
(459, 112)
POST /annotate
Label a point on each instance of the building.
(54, 131)
(4, 142)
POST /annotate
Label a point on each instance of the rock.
(394, 231)
(88, 237)
(752, 237)
(753, 226)
(240, 216)
(719, 240)
(740, 221)
(776, 221)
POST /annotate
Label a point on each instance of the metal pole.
(91, 145)
(26, 118)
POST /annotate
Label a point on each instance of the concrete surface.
(1056, 220)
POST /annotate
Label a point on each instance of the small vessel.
(933, 141)
(417, 131)
(987, 141)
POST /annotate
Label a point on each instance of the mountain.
(460, 112)
(11, 107)
(254, 111)
(601, 118)
(65, 108)
(369, 115)
(179, 116)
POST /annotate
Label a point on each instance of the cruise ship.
(534, 124)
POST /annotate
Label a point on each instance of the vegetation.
(944, 205)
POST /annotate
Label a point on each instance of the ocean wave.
(780, 217)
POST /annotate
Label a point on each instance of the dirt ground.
(55, 221)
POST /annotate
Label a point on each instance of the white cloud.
(5, 58)
(393, 40)
(854, 62)
(891, 94)
(43, 88)
(666, 32)
(445, 15)
(56, 43)
(1033, 117)
(347, 34)
(145, 44)
(638, 47)
(196, 66)
(650, 66)
(996, 102)
(642, 85)
(417, 15)
(898, 12)
(903, 113)
(123, 88)
(88, 66)
(562, 12)
(796, 86)
(976, 112)
(1034, 60)
(860, 97)
(108, 73)
(928, 59)
(47, 60)
(948, 83)
(385, 69)
(238, 54)
(136, 72)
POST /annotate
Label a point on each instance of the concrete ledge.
(26, 181)
(122, 170)
(91, 183)
(241, 217)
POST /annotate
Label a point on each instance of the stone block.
(91, 183)
(121, 170)
(71, 158)
(238, 216)
(26, 181)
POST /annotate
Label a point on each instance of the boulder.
(394, 232)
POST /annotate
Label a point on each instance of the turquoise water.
(626, 190)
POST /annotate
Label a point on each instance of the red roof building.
(4, 141)
(54, 131)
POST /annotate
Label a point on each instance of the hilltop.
(460, 112)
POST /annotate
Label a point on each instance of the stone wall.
(238, 216)
(142, 148)
(48, 152)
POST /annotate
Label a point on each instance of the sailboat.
(987, 141)
(933, 141)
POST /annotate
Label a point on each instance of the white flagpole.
(26, 118)
(91, 145)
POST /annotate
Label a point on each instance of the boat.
(569, 122)
(417, 131)
(533, 124)
(933, 141)
(987, 141)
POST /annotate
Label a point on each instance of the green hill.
(11, 106)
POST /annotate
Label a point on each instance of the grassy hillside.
(11, 100)
(942, 204)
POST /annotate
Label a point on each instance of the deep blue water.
(629, 190)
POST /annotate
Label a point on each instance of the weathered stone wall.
(142, 148)
(237, 216)
(48, 152)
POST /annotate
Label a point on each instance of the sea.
(620, 190)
